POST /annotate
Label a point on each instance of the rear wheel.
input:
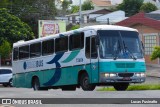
(121, 86)
(85, 83)
(36, 85)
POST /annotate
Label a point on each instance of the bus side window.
(35, 50)
(76, 41)
(48, 47)
(87, 50)
(15, 54)
(93, 48)
(61, 44)
(24, 52)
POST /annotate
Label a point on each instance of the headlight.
(140, 74)
(143, 75)
(113, 75)
(137, 74)
(106, 74)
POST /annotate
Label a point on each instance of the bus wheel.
(69, 88)
(36, 84)
(85, 84)
(121, 86)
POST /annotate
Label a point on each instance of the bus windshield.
(119, 44)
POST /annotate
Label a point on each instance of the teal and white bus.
(87, 57)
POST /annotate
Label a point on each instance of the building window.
(149, 43)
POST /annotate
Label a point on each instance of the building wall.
(113, 17)
(144, 31)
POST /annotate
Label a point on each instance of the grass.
(135, 87)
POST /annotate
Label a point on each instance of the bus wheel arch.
(84, 82)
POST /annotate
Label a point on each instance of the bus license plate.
(126, 78)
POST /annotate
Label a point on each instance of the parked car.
(6, 76)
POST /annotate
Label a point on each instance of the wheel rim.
(36, 85)
(11, 83)
(86, 82)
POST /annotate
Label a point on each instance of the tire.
(36, 85)
(11, 83)
(5, 85)
(121, 86)
(69, 88)
(85, 83)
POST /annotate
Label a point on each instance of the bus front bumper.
(126, 77)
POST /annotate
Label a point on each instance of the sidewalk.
(153, 70)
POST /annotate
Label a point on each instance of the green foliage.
(65, 5)
(130, 7)
(12, 29)
(30, 11)
(87, 5)
(148, 7)
(74, 9)
(155, 53)
(5, 49)
(75, 27)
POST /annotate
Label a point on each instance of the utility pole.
(80, 14)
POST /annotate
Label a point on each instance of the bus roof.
(94, 27)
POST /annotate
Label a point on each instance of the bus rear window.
(15, 54)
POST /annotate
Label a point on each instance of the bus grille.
(125, 74)
(125, 65)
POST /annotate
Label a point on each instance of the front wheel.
(85, 83)
(121, 86)
(11, 82)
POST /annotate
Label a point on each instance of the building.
(87, 15)
(149, 29)
(101, 4)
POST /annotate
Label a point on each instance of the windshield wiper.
(127, 49)
(117, 51)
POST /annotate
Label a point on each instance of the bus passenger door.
(91, 49)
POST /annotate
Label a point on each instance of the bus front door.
(94, 60)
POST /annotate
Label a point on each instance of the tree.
(87, 5)
(74, 9)
(5, 49)
(130, 7)
(65, 5)
(148, 7)
(12, 29)
(30, 11)
(155, 53)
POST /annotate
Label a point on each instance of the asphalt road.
(79, 93)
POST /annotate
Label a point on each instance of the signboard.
(50, 27)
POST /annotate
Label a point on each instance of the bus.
(99, 55)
